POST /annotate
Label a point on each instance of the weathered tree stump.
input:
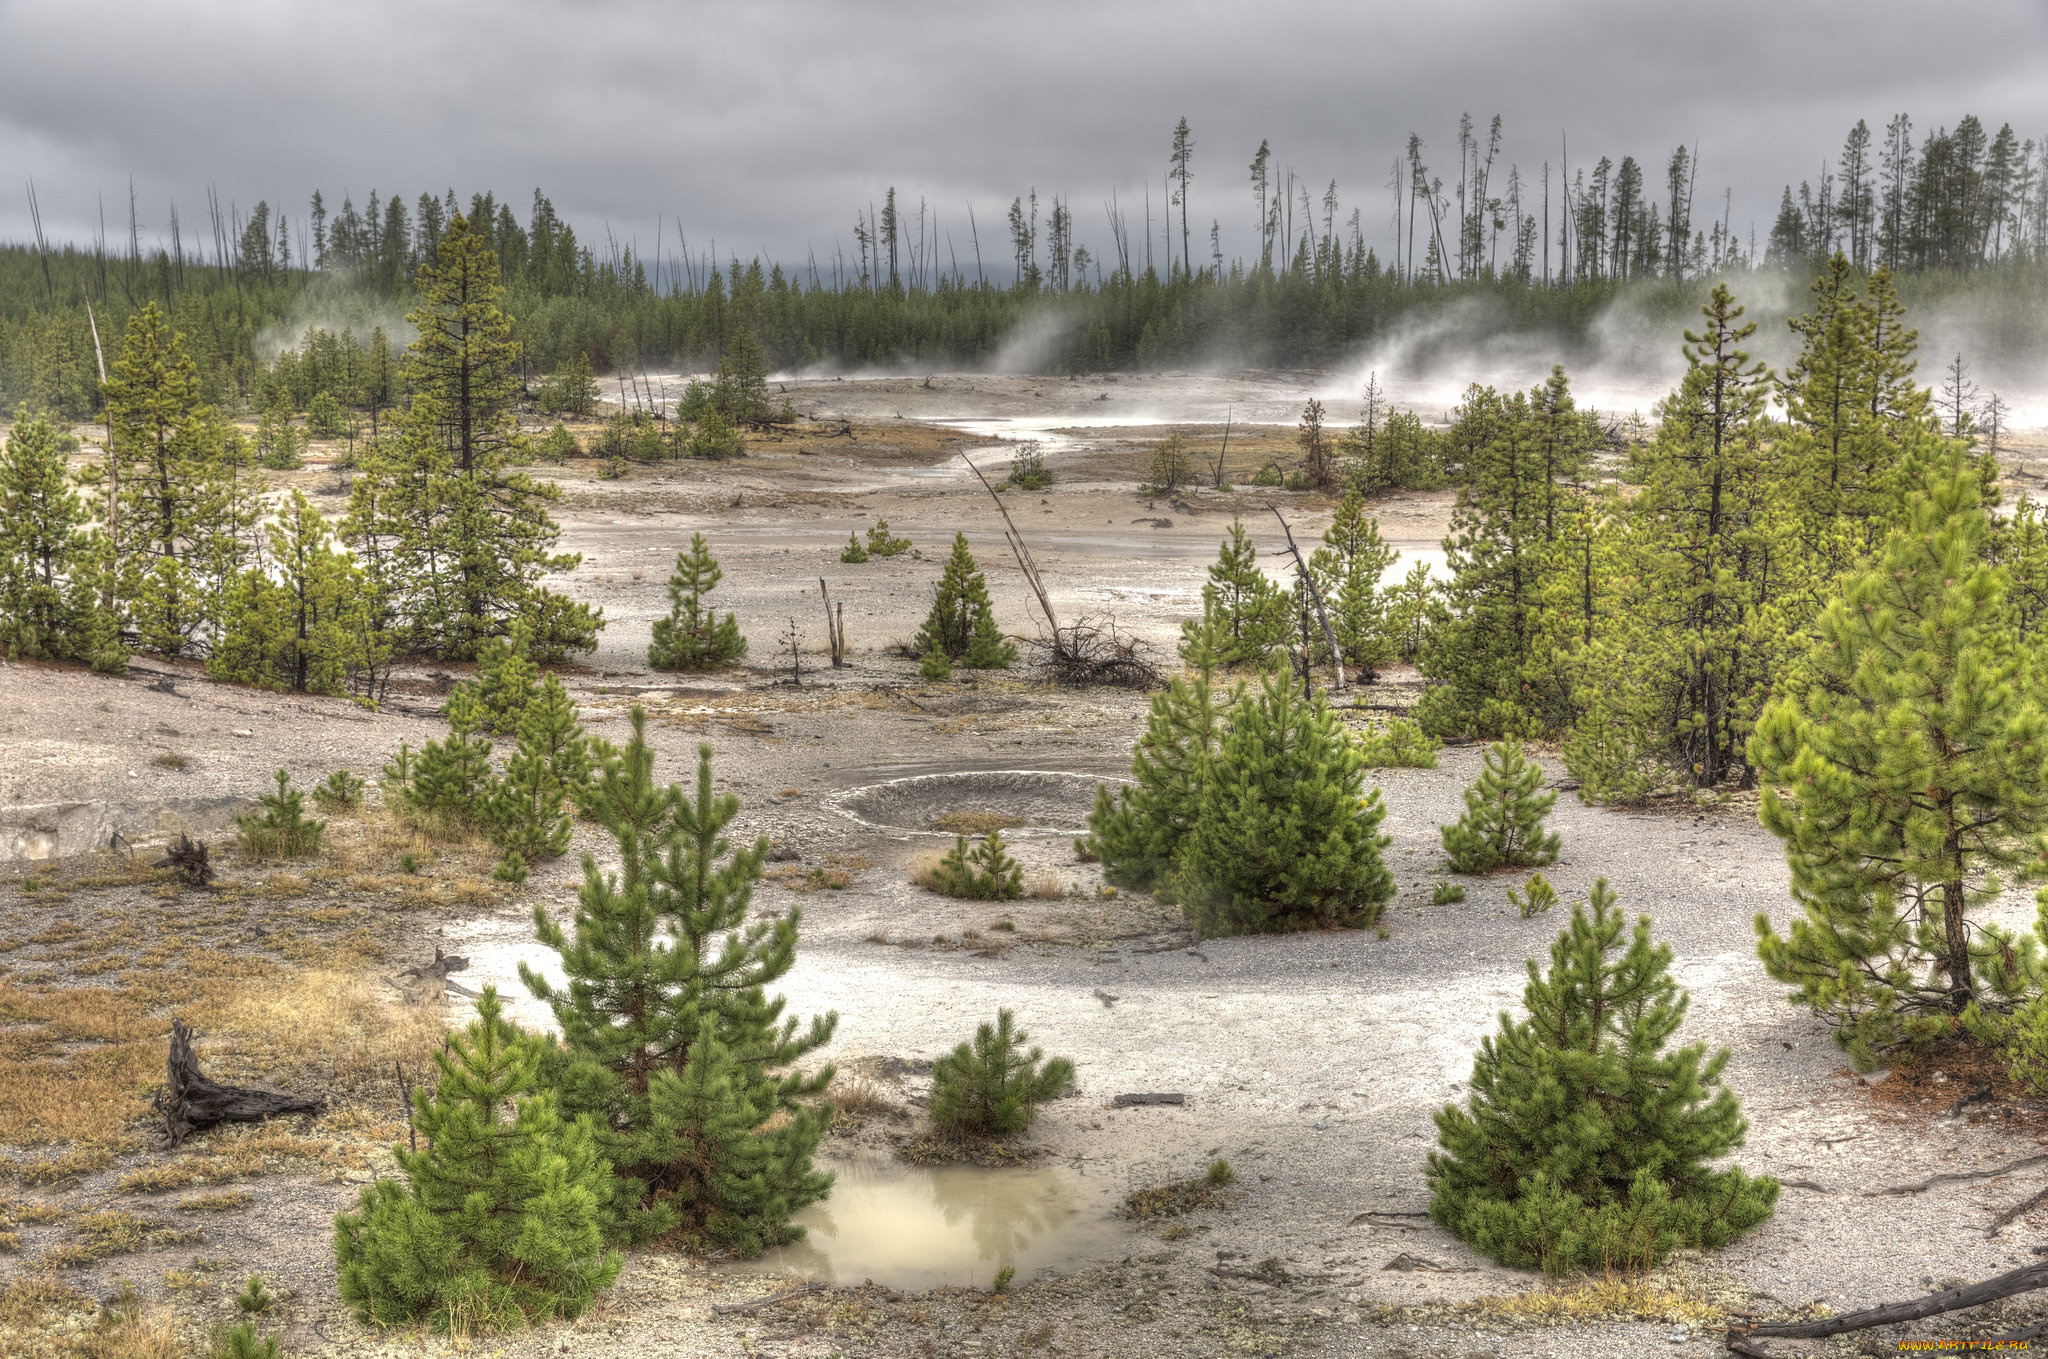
(191, 1103)
(189, 857)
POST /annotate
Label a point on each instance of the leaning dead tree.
(191, 1103)
(1308, 584)
(1081, 654)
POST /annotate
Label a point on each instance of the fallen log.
(1134, 1101)
(2023, 1280)
(190, 1103)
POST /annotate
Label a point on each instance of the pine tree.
(499, 1222)
(740, 391)
(279, 446)
(853, 552)
(1904, 771)
(692, 637)
(882, 543)
(282, 829)
(714, 437)
(670, 1038)
(46, 595)
(507, 680)
(1489, 669)
(462, 541)
(184, 509)
(451, 777)
(1503, 822)
(1348, 570)
(1715, 587)
(1137, 831)
(962, 623)
(985, 872)
(302, 619)
(1286, 835)
(1251, 613)
(1586, 1143)
(527, 809)
(993, 1087)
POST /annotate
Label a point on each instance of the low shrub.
(282, 830)
(993, 1086)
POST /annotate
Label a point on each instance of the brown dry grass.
(222, 1201)
(77, 1064)
(34, 1300)
(924, 870)
(976, 824)
(1045, 885)
(97, 1236)
(149, 1331)
(856, 1095)
(836, 874)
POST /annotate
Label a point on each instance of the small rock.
(243, 731)
(1678, 1334)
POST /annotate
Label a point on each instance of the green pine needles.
(880, 543)
(1137, 830)
(528, 809)
(992, 1087)
(1285, 834)
(1905, 772)
(962, 623)
(1503, 822)
(282, 830)
(1586, 1143)
(1400, 744)
(985, 872)
(670, 1041)
(692, 637)
(499, 1222)
(1250, 613)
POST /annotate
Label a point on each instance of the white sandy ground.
(1313, 1063)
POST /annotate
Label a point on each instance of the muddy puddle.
(912, 1228)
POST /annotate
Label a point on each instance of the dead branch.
(191, 1103)
(1083, 655)
(2022, 1280)
(736, 1308)
(2026, 1205)
(1315, 596)
(1957, 1177)
(1025, 563)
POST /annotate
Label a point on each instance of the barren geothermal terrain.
(1312, 1063)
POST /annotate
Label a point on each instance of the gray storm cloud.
(766, 125)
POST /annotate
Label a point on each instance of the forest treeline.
(1962, 210)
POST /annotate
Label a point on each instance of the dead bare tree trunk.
(1315, 596)
(833, 635)
(1023, 554)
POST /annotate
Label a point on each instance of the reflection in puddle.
(913, 1229)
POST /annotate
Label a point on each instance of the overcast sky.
(764, 125)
